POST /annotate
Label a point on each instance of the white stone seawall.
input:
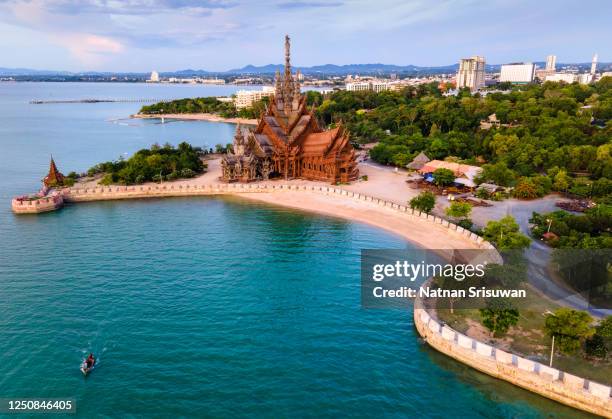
(549, 382)
(102, 193)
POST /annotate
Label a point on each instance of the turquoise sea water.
(199, 306)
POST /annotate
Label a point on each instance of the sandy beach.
(383, 183)
(197, 117)
(416, 230)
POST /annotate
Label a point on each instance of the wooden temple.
(54, 177)
(288, 141)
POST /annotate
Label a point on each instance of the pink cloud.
(90, 50)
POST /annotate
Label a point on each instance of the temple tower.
(54, 177)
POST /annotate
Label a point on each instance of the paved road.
(538, 254)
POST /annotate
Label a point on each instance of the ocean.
(209, 306)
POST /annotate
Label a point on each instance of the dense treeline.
(155, 164)
(205, 105)
(191, 105)
(559, 131)
(589, 231)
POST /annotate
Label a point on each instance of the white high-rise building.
(358, 86)
(154, 78)
(519, 73)
(374, 85)
(564, 77)
(471, 73)
(594, 64)
(551, 62)
(245, 98)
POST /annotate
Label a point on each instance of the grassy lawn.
(527, 338)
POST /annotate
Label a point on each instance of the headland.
(211, 117)
(354, 202)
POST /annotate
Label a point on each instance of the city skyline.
(217, 35)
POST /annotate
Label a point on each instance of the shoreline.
(552, 383)
(210, 117)
(421, 229)
(423, 234)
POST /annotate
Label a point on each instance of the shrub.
(459, 209)
(570, 328)
(505, 234)
(466, 223)
(482, 193)
(498, 316)
(596, 347)
(108, 179)
(187, 173)
(443, 177)
(424, 202)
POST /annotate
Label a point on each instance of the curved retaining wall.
(35, 206)
(549, 382)
(99, 193)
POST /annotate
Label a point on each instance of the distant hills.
(335, 69)
(325, 69)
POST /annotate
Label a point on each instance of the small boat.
(84, 368)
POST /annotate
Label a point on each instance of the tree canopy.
(505, 234)
(424, 202)
(459, 209)
(543, 130)
(498, 316)
(205, 105)
(154, 164)
(570, 328)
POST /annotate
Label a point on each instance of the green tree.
(596, 347)
(604, 328)
(526, 189)
(424, 202)
(497, 173)
(600, 344)
(145, 165)
(498, 316)
(562, 181)
(443, 177)
(505, 234)
(459, 210)
(570, 328)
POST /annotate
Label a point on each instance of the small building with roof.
(465, 174)
(418, 162)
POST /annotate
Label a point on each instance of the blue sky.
(141, 35)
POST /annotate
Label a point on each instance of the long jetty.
(43, 101)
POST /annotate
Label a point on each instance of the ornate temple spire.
(288, 78)
(287, 57)
(239, 142)
(277, 85)
(54, 177)
(297, 91)
(52, 167)
(239, 137)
